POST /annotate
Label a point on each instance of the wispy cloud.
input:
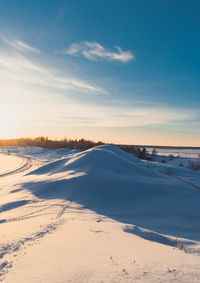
(118, 116)
(47, 99)
(98, 116)
(17, 68)
(20, 45)
(95, 51)
(23, 79)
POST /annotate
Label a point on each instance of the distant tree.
(154, 152)
(143, 153)
(168, 171)
(194, 165)
(171, 156)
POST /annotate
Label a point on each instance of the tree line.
(81, 144)
(45, 142)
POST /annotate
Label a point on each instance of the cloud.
(98, 116)
(35, 86)
(16, 62)
(95, 51)
(20, 45)
(120, 116)
(43, 98)
(17, 69)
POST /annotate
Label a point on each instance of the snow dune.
(98, 216)
(113, 183)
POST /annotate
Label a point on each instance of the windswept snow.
(100, 215)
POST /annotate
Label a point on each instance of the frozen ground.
(98, 216)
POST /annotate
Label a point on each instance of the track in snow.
(24, 167)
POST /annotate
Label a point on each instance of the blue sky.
(119, 71)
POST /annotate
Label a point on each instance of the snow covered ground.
(179, 156)
(98, 216)
(10, 163)
(182, 152)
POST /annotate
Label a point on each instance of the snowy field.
(10, 163)
(100, 215)
(178, 155)
(182, 152)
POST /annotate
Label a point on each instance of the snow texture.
(100, 215)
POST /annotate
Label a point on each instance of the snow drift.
(98, 216)
(113, 183)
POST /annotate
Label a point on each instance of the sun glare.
(8, 122)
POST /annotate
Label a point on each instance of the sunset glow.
(99, 141)
(59, 78)
(8, 122)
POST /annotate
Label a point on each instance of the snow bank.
(116, 184)
(98, 216)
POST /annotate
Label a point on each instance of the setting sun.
(99, 141)
(8, 121)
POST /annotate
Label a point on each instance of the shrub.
(154, 152)
(193, 165)
(168, 171)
